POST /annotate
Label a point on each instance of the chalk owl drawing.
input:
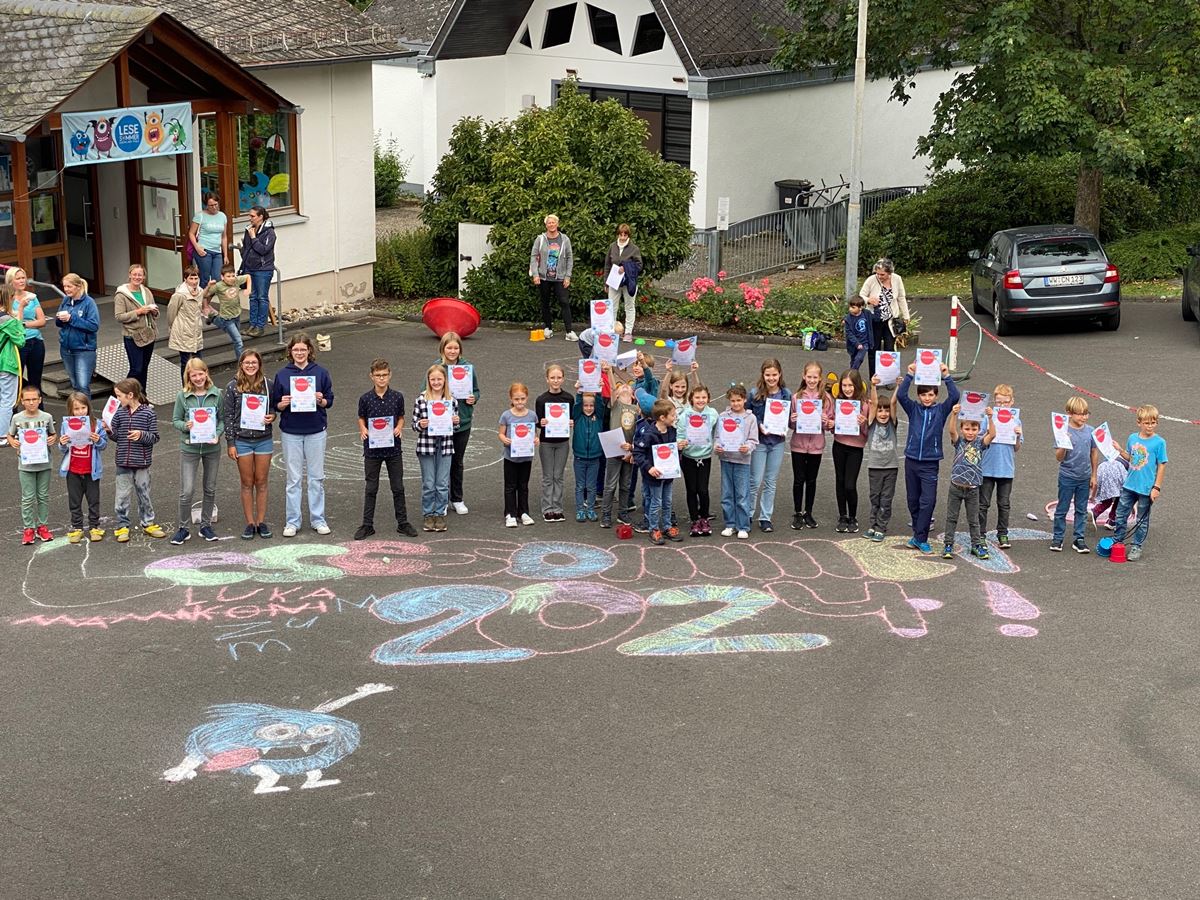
(269, 742)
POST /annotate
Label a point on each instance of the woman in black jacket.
(258, 261)
(625, 255)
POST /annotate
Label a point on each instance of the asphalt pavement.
(553, 712)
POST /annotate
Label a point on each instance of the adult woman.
(887, 304)
(185, 320)
(135, 309)
(625, 255)
(77, 321)
(249, 446)
(303, 433)
(27, 310)
(209, 239)
(258, 261)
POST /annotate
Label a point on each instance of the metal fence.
(775, 240)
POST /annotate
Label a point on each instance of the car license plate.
(1063, 280)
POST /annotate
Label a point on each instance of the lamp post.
(854, 211)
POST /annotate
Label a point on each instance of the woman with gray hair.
(550, 264)
(888, 305)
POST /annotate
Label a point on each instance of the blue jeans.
(304, 454)
(735, 495)
(1124, 505)
(435, 483)
(80, 366)
(1072, 489)
(658, 492)
(764, 470)
(260, 297)
(210, 266)
(586, 472)
(230, 327)
(920, 485)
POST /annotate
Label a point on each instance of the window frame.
(573, 6)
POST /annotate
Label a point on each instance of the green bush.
(390, 173)
(585, 162)
(961, 210)
(1154, 254)
(404, 267)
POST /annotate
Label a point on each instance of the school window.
(668, 118)
(649, 36)
(604, 29)
(265, 146)
(560, 21)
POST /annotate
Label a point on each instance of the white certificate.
(607, 346)
(887, 366)
(254, 412)
(110, 410)
(929, 367)
(441, 418)
(78, 430)
(34, 449)
(611, 441)
(971, 405)
(1059, 424)
(666, 460)
(589, 375)
(1103, 438)
(729, 434)
(603, 317)
(204, 425)
(684, 353)
(558, 420)
(775, 417)
(625, 360)
(1008, 418)
(698, 432)
(381, 432)
(304, 393)
(808, 416)
(845, 417)
(521, 435)
(462, 381)
(615, 277)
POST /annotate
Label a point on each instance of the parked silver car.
(1191, 286)
(1045, 271)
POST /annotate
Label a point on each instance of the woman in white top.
(210, 240)
(887, 304)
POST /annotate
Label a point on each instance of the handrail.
(278, 279)
(54, 287)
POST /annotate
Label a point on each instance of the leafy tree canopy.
(587, 163)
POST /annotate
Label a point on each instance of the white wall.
(398, 108)
(805, 132)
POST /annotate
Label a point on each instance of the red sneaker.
(656, 537)
(28, 538)
(44, 533)
(673, 534)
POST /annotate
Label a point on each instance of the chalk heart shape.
(439, 408)
(522, 430)
(589, 366)
(729, 425)
(685, 345)
(927, 357)
(1058, 421)
(605, 340)
(601, 307)
(663, 451)
(888, 565)
(379, 424)
(31, 436)
(200, 415)
(973, 397)
(1004, 415)
(74, 423)
(887, 359)
(777, 406)
(696, 421)
(556, 412)
(458, 373)
(808, 407)
(253, 402)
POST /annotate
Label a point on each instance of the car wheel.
(1003, 325)
(1189, 314)
(1111, 323)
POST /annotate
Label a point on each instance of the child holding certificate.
(434, 451)
(305, 393)
(248, 416)
(464, 386)
(883, 462)
(82, 466)
(553, 450)
(198, 418)
(737, 436)
(699, 425)
(380, 424)
(657, 487)
(770, 402)
(28, 433)
(518, 435)
(134, 430)
(848, 451)
(811, 407)
(1000, 465)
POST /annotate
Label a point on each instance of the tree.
(1115, 81)
(585, 162)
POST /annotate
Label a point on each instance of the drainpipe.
(337, 244)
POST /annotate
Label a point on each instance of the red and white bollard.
(952, 363)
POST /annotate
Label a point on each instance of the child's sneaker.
(1002, 541)
(96, 534)
(948, 552)
(673, 534)
(122, 534)
(75, 536)
(207, 533)
(912, 544)
(580, 515)
(705, 528)
(1056, 547)
(606, 522)
(980, 551)
(526, 519)
(155, 531)
(878, 537)
(743, 535)
(642, 527)
(27, 537)
(180, 536)
(44, 534)
(1080, 547)
(924, 547)
(869, 534)
(591, 515)
(510, 521)
(656, 537)
(695, 531)
(726, 532)
(1135, 553)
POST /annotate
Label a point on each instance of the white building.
(698, 72)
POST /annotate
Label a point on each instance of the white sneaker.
(627, 337)
(742, 535)
(526, 519)
(460, 508)
(289, 530)
(322, 528)
(547, 333)
(510, 522)
(727, 532)
(572, 336)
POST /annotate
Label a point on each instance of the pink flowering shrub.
(708, 301)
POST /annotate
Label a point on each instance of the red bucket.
(444, 314)
(624, 532)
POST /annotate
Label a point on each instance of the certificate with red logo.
(304, 393)
(204, 425)
(558, 420)
(110, 410)
(254, 412)
(521, 435)
(929, 367)
(462, 380)
(845, 417)
(381, 432)
(684, 353)
(775, 417)
(441, 418)
(666, 460)
(1008, 419)
(808, 416)
(607, 346)
(602, 314)
(589, 375)
(729, 434)
(78, 430)
(1103, 438)
(699, 434)
(1059, 424)
(971, 405)
(887, 366)
(34, 449)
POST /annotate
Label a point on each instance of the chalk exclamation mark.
(1005, 602)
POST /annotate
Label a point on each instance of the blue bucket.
(1104, 547)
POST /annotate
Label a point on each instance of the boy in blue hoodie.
(923, 449)
(859, 333)
(657, 489)
(589, 414)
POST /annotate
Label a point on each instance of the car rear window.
(1058, 251)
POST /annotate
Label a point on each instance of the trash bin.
(793, 193)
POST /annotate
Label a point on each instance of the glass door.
(84, 253)
(163, 220)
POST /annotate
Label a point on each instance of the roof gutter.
(19, 138)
